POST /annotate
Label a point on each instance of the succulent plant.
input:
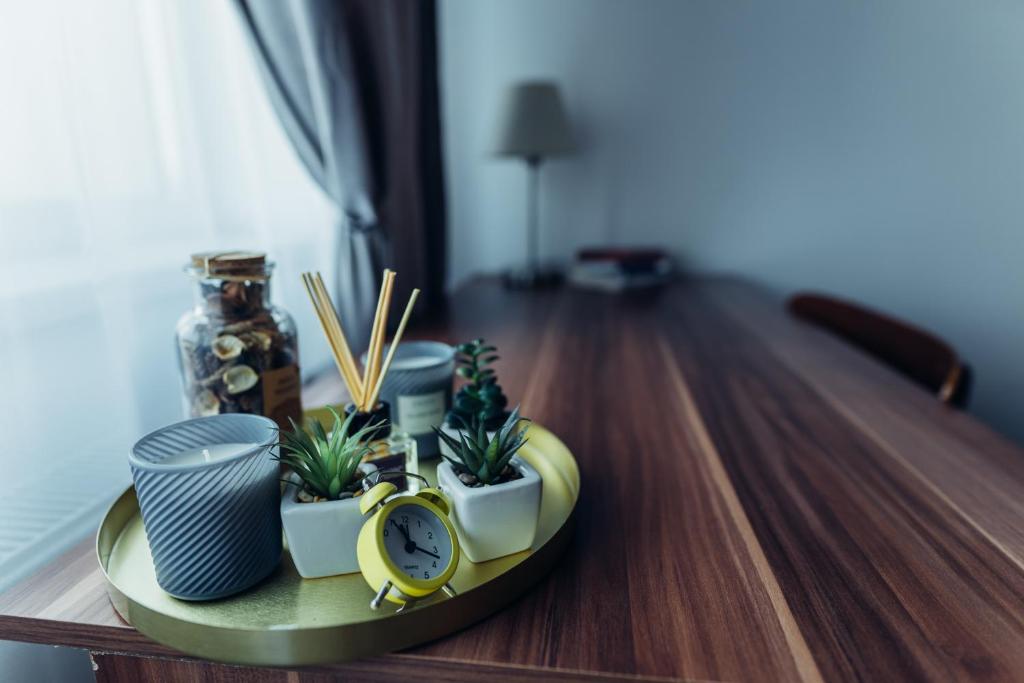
(480, 399)
(483, 458)
(327, 465)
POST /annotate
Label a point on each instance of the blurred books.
(617, 269)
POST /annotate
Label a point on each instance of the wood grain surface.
(760, 502)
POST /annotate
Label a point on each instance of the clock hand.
(402, 530)
(428, 552)
(410, 546)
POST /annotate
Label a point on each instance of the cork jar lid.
(250, 265)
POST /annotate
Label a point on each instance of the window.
(132, 133)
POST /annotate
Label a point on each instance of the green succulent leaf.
(448, 440)
(469, 404)
(470, 450)
(480, 397)
(483, 456)
(327, 464)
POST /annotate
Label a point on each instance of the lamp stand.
(533, 275)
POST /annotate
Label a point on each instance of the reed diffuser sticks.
(379, 329)
(325, 312)
(364, 390)
(394, 345)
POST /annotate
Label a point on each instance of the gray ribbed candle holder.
(419, 388)
(214, 528)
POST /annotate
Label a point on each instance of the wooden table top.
(759, 502)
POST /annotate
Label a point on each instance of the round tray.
(291, 621)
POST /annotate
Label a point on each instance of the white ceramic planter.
(454, 433)
(493, 521)
(322, 536)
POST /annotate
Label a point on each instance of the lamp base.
(532, 278)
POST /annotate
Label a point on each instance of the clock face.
(417, 542)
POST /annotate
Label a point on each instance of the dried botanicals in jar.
(237, 352)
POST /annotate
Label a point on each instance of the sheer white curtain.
(132, 133)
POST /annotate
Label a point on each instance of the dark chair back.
(919, 355)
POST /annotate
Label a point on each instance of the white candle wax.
(413, 362)
(207, 454)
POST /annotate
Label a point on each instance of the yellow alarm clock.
(408, 548)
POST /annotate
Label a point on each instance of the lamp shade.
(533, 122)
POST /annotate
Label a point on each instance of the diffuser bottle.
(393, 450)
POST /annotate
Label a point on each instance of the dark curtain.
(355, 85)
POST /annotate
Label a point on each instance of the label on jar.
(417, 414)
(281, 395)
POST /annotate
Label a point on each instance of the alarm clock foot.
(448, 590)
(379, 597)
(406, 606)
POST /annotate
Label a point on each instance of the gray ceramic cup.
(419, 388)
(214, 527)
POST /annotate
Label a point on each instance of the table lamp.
(533, 126)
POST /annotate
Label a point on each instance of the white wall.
(871, 148)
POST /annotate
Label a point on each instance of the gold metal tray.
(291, 621)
